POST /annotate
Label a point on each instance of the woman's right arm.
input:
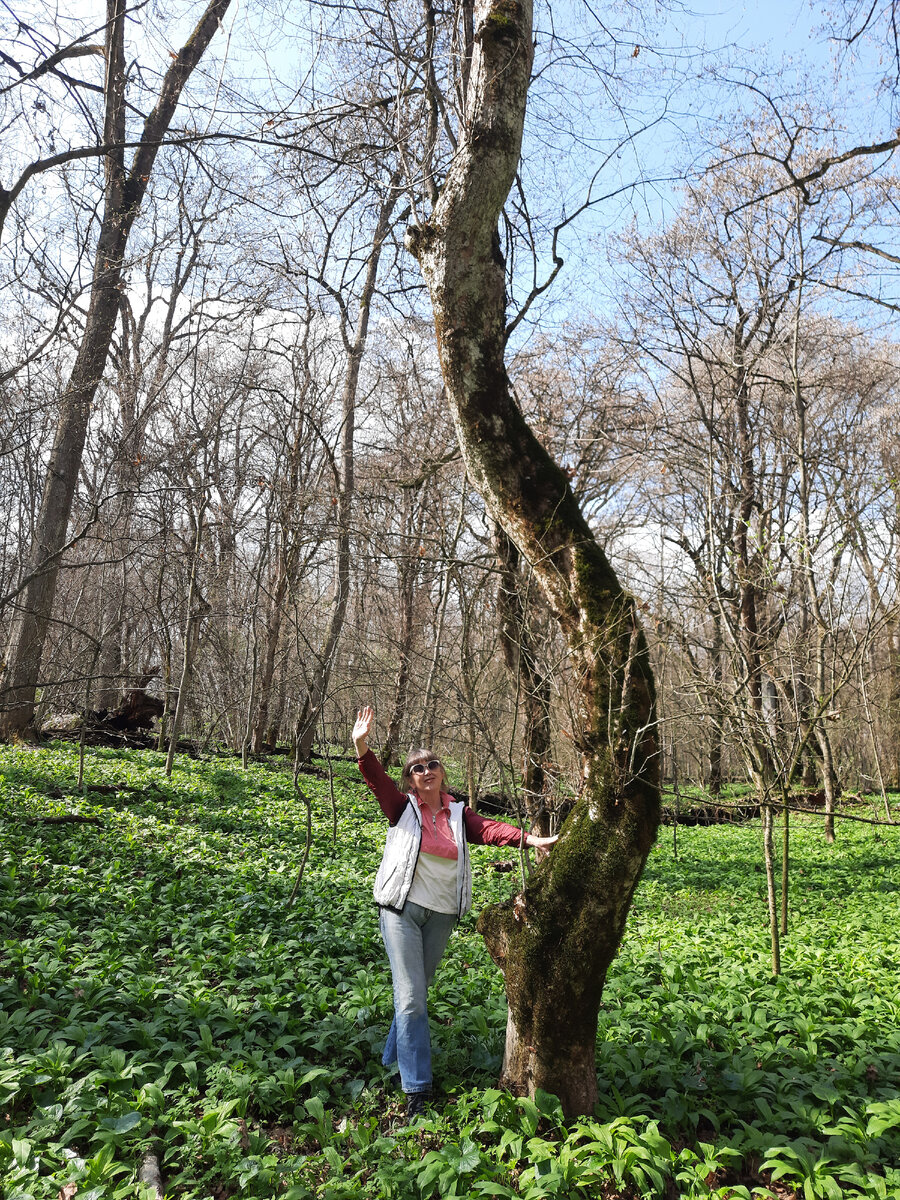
(386, 792)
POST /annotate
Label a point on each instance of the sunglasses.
(433, 764)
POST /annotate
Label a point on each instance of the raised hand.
(365, 719)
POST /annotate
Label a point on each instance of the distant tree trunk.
(288, 564)
(830, 783)
(111, 665)
(892, 633)
(785, 857)
(409, 577)
(555, 940)
(755, 742)
(262, 725)
(886, 735)
(118, 522)
(321, 674)
(277, 713)
(820, 626)
(425, 732)
(131, 358)
(124, 191)
(714, 776)
(867, 710)
(390, 756)
(251, 700)
(532, 684)
(468, 688)
(196, 607)
(165, 646)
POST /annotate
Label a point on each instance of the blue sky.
(681, 92)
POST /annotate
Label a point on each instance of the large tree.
(554, 940)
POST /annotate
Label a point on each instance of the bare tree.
(355, 346)
(302, 461)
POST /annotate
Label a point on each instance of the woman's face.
(429, 781)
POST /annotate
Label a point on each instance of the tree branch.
(864, 246)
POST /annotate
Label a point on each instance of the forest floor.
(159, 996)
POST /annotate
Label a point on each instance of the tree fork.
(553, 941)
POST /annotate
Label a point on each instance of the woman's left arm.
(482, 831)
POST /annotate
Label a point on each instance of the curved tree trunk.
(554, 941)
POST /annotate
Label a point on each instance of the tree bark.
(149, 1175)
(555, 940)
(123, 194)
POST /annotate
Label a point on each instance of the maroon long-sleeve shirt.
(480, 831)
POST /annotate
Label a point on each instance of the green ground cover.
(156, 991)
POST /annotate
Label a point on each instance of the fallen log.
(149, 1175)
(709, 814)
(63, 819)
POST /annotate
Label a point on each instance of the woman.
(423, 887)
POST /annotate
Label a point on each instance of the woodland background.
(271, 518)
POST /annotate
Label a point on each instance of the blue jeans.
(415, 941)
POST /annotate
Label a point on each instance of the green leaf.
(883, 1115)
(154, 1094)
(334, 1160)
(21, 1149)
(102, 1159)
(469, 1158)
(548, 1104)
(123, 1124)
(315, 1073)
(530, 1114)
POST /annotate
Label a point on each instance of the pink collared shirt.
(437, 837)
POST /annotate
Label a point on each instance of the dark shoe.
(416, 1103)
